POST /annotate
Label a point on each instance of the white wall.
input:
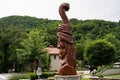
(55, 62)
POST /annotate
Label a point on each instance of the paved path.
(86, 74)
(2, 77)
(5, 76)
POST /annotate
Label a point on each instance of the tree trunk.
(13, 66)
(35, 65)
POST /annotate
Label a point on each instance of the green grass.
(113, 76)
(31, 76)
(19, 76)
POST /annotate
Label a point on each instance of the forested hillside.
(14, 28)
(27, 23)
(92, 29)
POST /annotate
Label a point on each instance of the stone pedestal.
(68, 77)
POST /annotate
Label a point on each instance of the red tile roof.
(53, 50)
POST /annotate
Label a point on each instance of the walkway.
(86, 74)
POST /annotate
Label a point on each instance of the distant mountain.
(23, 21)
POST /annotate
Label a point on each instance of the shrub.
(33, 76)
(100, 76)
(48, 74)
(52, 74)
(45, 75)
(19, 76)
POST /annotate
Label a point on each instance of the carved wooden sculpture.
(65, 44)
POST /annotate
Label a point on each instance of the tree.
(100, 52)
(8, 37)
(1, 60)
(32, 48)
(79, 51)
(113, 40)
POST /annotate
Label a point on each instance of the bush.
(33, 76)
(19, 76)
(45, 75)
(48, 74)
(52, 74)
(100, 76)
(99, 68)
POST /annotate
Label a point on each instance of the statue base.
(68, 77)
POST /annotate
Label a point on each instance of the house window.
(54, 56)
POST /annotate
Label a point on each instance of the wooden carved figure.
(65, 44)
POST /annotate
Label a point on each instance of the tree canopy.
(33, 48)
(100, 52)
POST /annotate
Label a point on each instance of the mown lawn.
(113, 76)
(85, 79)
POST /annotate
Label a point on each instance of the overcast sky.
(80, 9)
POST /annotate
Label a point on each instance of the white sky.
(80, 9)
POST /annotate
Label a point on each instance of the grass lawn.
(85, 79)
(113, 76)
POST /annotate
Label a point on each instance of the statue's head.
(66, 6)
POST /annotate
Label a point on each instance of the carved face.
(62, 49)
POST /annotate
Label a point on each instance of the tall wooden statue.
(65, 44)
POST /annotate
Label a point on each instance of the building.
(54, 57)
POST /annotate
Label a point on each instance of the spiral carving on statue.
(65, 44)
